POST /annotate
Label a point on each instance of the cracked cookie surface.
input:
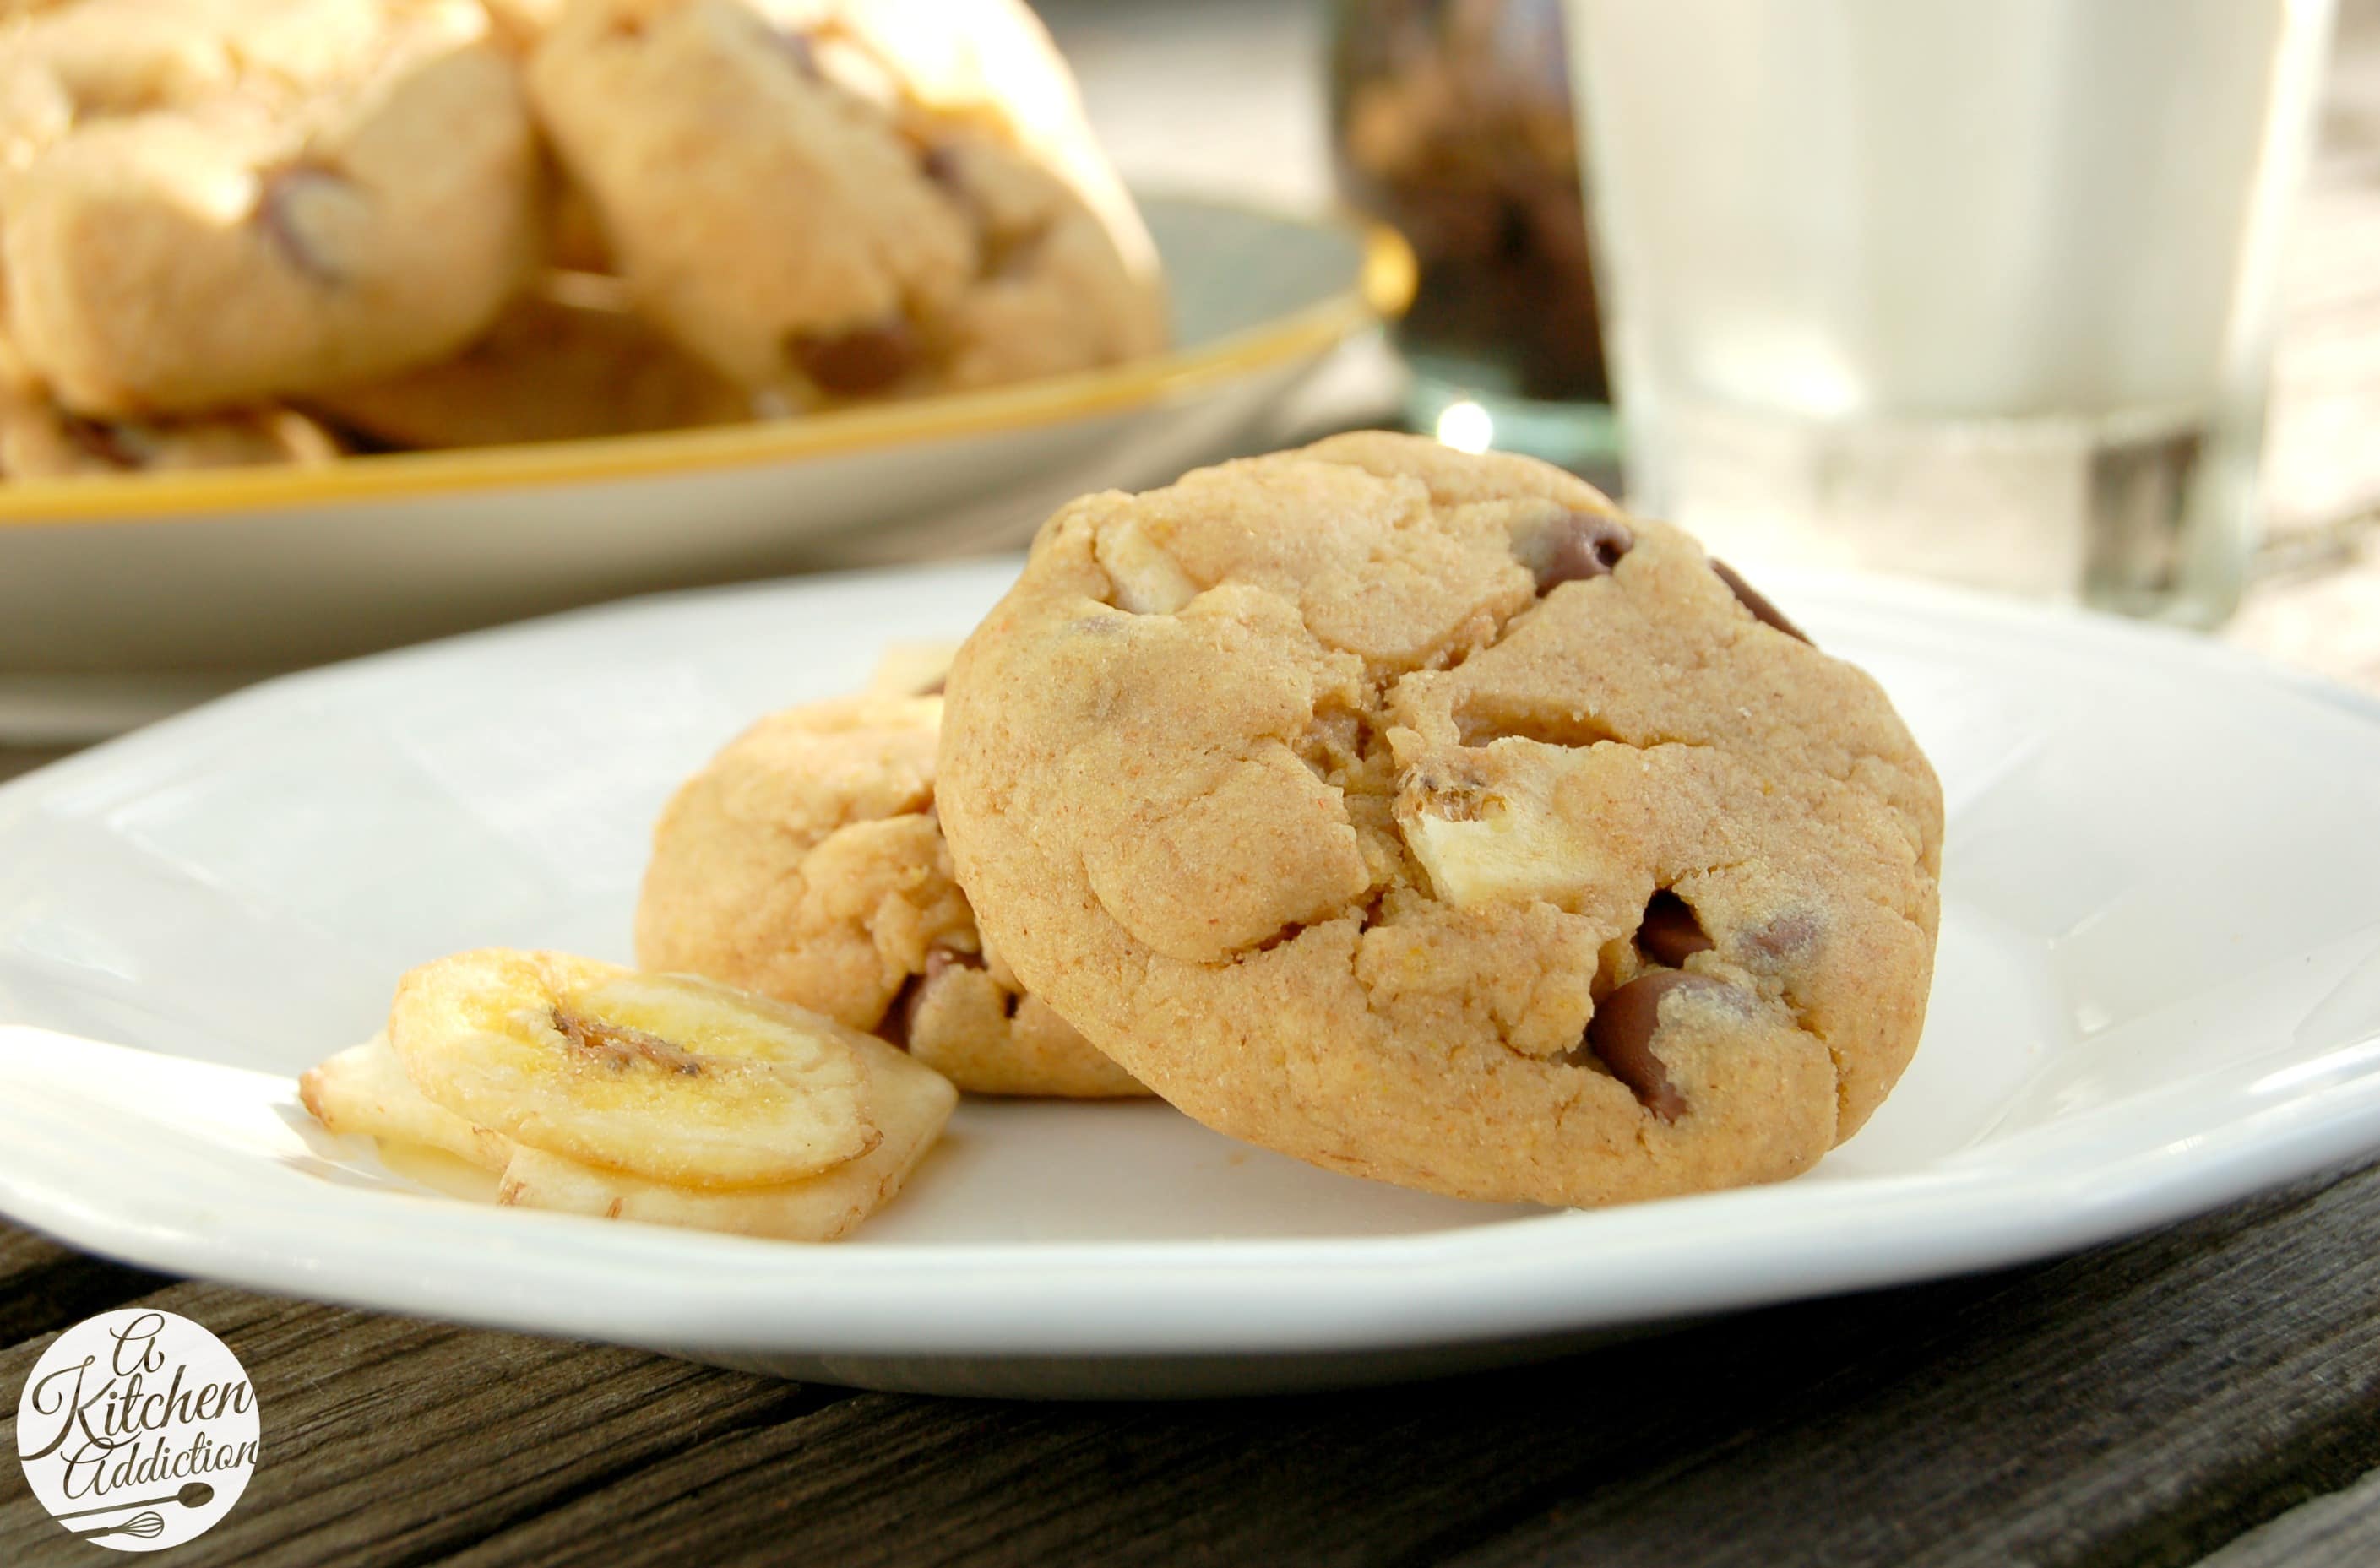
(805, 862)
(847, 198)
(1418, 815)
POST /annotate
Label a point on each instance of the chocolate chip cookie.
(1420, 815)
(565, 361)
(41, 440)
(845, 199)
(308, 194)
(806, 862)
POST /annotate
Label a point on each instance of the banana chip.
(494, 1058)
(671, 1078)
(909, 1102)
(363, 1091)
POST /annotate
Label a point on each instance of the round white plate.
(2159, 988)
(243, 571)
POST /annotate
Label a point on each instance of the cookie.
(41, 440)
(1419, 815)
(845, 199)
(568, 360)
(326, 194)
(521, 23)
(805, 862)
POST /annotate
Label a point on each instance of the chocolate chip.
(901, 1013)
(1574, 546)
(278, 193)
(939, 957)
(1620, 1037)
(1007, 253)
(939, 162)
(935, 687)
(1783, 937)
(1670, 932)
(863, 360)
(1753, 599)
(900, 1016)
(798, 48)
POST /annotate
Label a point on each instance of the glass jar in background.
(1451, 122)
(1978, 291)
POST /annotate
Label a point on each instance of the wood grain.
(45, 1287)
(2143, 1402)
(2342, 1529)
(389, 1440)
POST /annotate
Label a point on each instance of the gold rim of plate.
(1380, 290)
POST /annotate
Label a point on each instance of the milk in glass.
(1977, 288)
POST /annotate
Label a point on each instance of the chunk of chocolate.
(1571, 547)
(900, 1016)
(939, 162)
(1670, 932)
(1753, 599)
(1620, 1036)
(282, 194)
(799, 49)
(858, 361)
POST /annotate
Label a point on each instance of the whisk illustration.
(149, 1523)
(142, 1524)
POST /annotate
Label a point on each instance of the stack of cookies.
(240, 231)
(1412, 812)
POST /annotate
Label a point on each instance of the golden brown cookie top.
(1335, 792)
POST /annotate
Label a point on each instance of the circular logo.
(138, 1430)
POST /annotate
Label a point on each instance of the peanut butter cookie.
(841, 199)
(1420, 815)
(214, 203)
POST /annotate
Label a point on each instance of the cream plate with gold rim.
(2158, 990)
(106, 584)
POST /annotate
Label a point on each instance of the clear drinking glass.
(1979, 289)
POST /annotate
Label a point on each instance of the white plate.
(2159, 989)
(243, 571)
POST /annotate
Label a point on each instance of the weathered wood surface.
(2146, 1402)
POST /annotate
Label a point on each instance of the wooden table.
(2208, 1394)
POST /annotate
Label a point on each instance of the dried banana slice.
(363, 1091)
(671, 1078)
(367, 1091)
(907, 1102)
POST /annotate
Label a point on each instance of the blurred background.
(2008, 319)
(1254, 84)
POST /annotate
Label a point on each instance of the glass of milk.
(1978, 289)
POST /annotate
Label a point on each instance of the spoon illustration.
(142, 1524)
(194, 1494)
